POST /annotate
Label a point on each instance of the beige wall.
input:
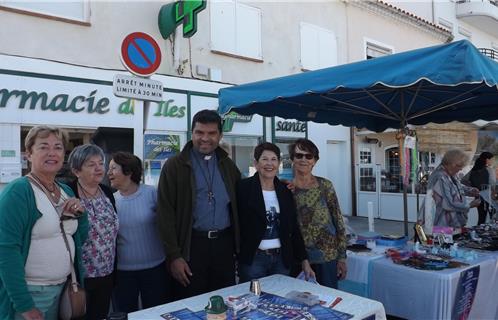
(98, 45)
(385, 29)
(280, 40)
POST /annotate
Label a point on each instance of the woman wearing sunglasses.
(318, 215)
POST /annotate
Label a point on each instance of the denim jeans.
(46, 300)
(262, 265)
(326, 273)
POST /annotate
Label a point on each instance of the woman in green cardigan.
(34, 260)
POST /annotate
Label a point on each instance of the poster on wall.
(487, 140)
(158, 148)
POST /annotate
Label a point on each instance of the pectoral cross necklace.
(209, 178)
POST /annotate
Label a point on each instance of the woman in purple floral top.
(319, 216)
(99, 250)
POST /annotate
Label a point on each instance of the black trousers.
(212, 264)
(483, 210)
(98, 296)
(152, 285)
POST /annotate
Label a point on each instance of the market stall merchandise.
(359, 307)
(412, 293)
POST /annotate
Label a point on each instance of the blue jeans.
(153, 286)
(326, 273)
(262, 265)
(46, 299)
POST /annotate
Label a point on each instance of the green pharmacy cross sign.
(233, 117)
(172, 14)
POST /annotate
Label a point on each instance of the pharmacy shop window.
(241, 151)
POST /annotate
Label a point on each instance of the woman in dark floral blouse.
(319, 216)
(99, 250)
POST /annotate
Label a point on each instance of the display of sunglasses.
(308, 156)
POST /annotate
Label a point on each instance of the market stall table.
(359, 307)
(422, 294)
(357, 278)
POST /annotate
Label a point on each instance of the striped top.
(139, 245)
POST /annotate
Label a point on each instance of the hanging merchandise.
(415, 162)
(408, 145)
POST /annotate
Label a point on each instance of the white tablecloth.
(280, 285)
(419, 294)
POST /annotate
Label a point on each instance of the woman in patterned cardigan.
(319, 216)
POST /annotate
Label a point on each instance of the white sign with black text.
(137, 88)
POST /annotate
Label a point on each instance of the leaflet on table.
(302, 276)
(182, 314)
(269, 307)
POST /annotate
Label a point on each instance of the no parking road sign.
(140, 54)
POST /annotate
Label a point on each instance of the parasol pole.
(403, 173)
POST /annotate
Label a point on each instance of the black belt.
(211, 234)
(270, 252)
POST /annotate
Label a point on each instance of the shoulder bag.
(72, 301)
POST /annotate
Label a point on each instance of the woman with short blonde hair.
(34, 259)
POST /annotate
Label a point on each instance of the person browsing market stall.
(482, 176)
(34, 259)
(270, 239)
(197, 212)
(141, 267)
(99, 250)
(450, 205)
(319, 216)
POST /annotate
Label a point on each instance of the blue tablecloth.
(357, 280)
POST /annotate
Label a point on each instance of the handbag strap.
(74, 283)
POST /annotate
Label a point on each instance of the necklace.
(302, 184)
(209, 178)
(87, 193)
(50, 190)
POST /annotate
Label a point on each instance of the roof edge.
(403, 16)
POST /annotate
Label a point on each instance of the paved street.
(360, 224)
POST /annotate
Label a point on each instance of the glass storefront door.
(241, 151)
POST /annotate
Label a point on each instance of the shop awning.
(435, 84)
(443, 83)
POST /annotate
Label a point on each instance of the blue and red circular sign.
(140, 54)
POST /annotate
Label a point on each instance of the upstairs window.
(318, 47)
(236, 29)
(65, 10)
(374, 49)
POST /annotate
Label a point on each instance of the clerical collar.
(203, 156)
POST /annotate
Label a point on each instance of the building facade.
(58, 61)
